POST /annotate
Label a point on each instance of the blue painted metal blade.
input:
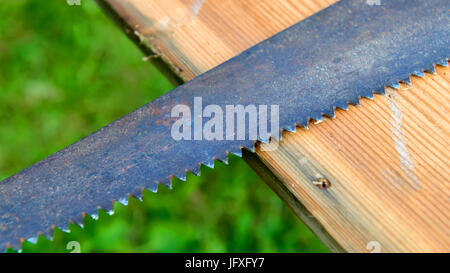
(328, 60)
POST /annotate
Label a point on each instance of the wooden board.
(387, 161)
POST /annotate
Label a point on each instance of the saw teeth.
(181, 177)
(316, 116)
(381, 91)
(353, 100)
(209, 164)
(65, 230)
(195, 171)
(395, 85)
(420, 74)
(368, 94)
(443, 63)
(136, 196)
(291, 128)
(223, 159)
(303, 124)
(79, 221)
(407, 81)
(123, 201)
(153, 187)
(329, 113)
(238, 153)
(431, 70)
(357, 102)
(317, 121)
(342, 105)
(32, 240)
(166, 182)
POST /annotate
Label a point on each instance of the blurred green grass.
(66, 71)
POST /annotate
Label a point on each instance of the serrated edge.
(196, 170)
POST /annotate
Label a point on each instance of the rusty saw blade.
(347, 51)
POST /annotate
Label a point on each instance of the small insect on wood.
(322, 183)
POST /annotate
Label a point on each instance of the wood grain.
(387, 161)
(388, 164)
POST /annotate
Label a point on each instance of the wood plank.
(387, 161)
(193, 36)
(388, 164)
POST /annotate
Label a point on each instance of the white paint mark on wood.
(400, 143)
(196, 6)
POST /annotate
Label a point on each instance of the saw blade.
(346, 51)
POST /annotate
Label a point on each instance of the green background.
(66, 71)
